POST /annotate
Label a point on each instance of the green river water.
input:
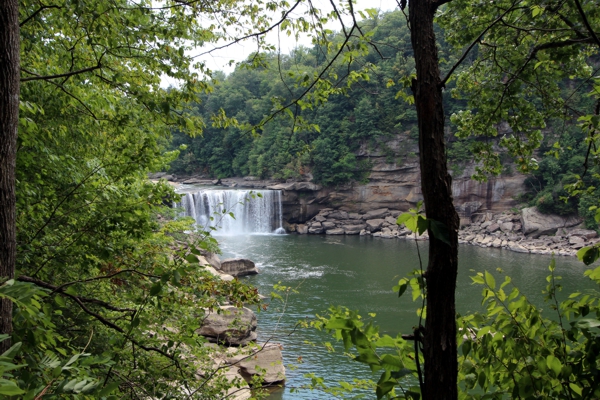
(359, 272)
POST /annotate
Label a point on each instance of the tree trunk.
(9, 116)
(439, 338)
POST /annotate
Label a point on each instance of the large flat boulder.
(229, 325)
(238, 267)
(265, 361)
(536, 224)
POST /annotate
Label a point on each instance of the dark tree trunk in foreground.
(439, 338)
(9, 116)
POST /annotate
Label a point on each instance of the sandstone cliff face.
(394, 183)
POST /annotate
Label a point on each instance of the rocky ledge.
(527, 231)
(233, 330)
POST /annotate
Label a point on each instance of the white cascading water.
(254, 211)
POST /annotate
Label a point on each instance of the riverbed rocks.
(523, 231)
(229, 325)
(238, 267)
(233, 331)
(264, 360)
(536, 224)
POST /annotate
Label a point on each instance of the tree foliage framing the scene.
(96, 259)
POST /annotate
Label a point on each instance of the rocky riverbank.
(232, 331)
(527, 231)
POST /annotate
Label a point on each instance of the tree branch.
(97, 278)
(586, 22)
(36, 12)
(257, 34)
(464, 56)
(37, 77)
(79, 299)
(100, 318)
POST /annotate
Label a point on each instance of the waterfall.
(235, 212)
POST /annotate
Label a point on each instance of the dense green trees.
(107, 294)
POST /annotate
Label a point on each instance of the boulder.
(376, 214)
(328, 225)
(338, 215)
(354, 216)
(354, 229)
(583, 233)
(320, 218)
(374, 224)
(229, 325)
(535, 224)
(315, 227)
(214, 272)
(518, 248)
(576, 240)
(302, 229)
(238, 267)
(266, 361)
(390, 220)
(213, 259)
(335, 231)
(507, 226)
(492, 228)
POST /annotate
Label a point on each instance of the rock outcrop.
(264, 360)
(229, 325)
(536, 224)
(238, 267)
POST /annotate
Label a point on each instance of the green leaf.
(490, 281)
(391, 362)
(588, 254)
(108, 389)
(9, 388)
(12, 352)
(586, 323)
(574, 387)
(466, 347)
(401, 286)
(155, 289)
(422, 224)
(339, 323)
(440, 231)
(402, 218)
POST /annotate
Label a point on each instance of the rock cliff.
(393, 182)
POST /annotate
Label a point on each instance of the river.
(359, 272)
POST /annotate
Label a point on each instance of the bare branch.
(256, 34)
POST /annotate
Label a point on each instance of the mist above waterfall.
(235, 211)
